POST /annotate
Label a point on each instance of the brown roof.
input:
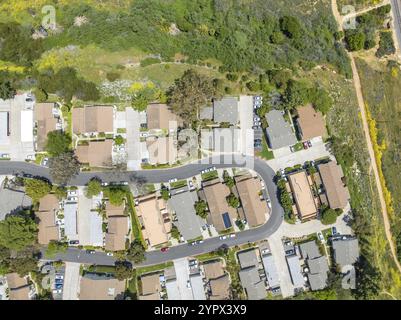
(46, 122)
(337, 193)
(21, 293)
(302, 194)
(15, 281)
(49, 203)
(220, 288)
(150, 284)
(47, 227)
(96, 153)
(213, 269)
(161, 150)
(112, 210)
(159, 117)
(150, 210)
(93, 119)
(255, 209)
(216, 195)
(311, 122)
(93, 288)
(116, 232)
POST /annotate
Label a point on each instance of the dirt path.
(362, 109)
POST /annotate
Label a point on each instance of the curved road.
(164, 175)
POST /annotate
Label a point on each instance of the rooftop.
(309, 250)
(96, 153)
(337, 193)
(346, 251)
(46, 122)
(159, 116)
(226, 110)
(279, 131)
(253, 285)
(161, 150)
(189, 223)
(311, 122)
(150, 284)
(12, 201)
(93, 119)
(248, 258)
(118, 227)
(220, 288)
(302, 194)
(213, 269)
(94, 287)
(294, 265)
(255, 208)
(271, 271)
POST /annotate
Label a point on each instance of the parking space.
(246, 123)
(182, 274)
(71, 281)
(133, 145)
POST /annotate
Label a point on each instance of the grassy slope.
(344, 123)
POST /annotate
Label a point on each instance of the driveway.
(71, 281)
(182, 274)
(134, 157)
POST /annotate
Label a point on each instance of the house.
(345, 250)
(213, 269)
(117, 231)
(221, 215)
(255, 208)
(47, 120)
(155, 219)
(96, 153)
(96, 287)
(113, 210)
(248, 258)
(294, 266)
(310, 123)
(151, 287)
(271, 271)
(317, 264)
(220, 288)
(279, 132)
(47, 228)
(252, 284)
(93, 120)
(172, 289)
(225, 110)
(335, 190)
(162, 150)
(302, 194)
(160, 117)
(182, 203)
(18, 286)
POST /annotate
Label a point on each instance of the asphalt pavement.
(164, 175)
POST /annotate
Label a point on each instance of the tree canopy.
(7, 91)
(57, 143)
(17, 232)
(64, 167)
(201, 208)
(136, 252)
(36, 189)
(116, 195)
(93, 188)
(189, 94)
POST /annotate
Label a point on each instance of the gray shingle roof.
(12, 201)
(271, 271)
(226, 110)
(309, 250)
(250, 279)
(182, 202)
(294, 265)
(206, 113)
(346, 252)
(317, 276)
(248, 259)
(279, 131)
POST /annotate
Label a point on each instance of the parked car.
(320, 236)
(57, 291)
(188, 284)
(269, 203)
(334, 231)
(72, 193)
(72, 199)
(59, 276)
(58, 286)
(173, 180)
(105, 184)
(74, 242)
(191, 185)
(292, 148)
(233, 235)
(165, 249)
(45, 162)
(110, 254)
(90, 251)
(223, 237)
(309, 144)
(58, 281)
(305, 144)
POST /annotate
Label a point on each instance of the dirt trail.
(362, 109)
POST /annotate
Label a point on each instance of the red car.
(164, 249)
(306, 146)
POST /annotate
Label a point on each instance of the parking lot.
(71, 281)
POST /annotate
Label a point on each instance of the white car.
(173, 180)
(56, 291)
(30, 157)
(269, 203)
(105, 184)
(232, 235)
(59, 276)
(72, 193)
(320, 236)
(124, 183)
(223, 237)
(110, 254)
(73, 199)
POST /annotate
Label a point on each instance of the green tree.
(201, 208)
(175, 233)
(17, 232)
(329, 216)
(36, 189)
(119, 140)
(291, 27)
(165, 193)
(228, 180)
(64, 167)
(57, 143)
(60, 192)
(123, 270)
(233, 201)
(189, 94)
(55, 247)
(115, 195)
(7, 91)
(93, 188)
(24, 265)
(355, 40)
(136, 252)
